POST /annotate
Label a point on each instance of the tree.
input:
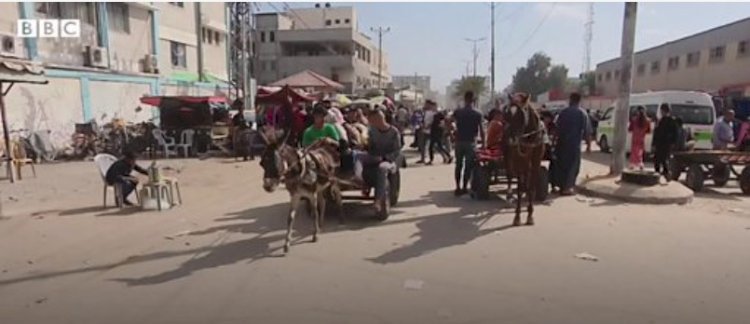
(539, 75)
(474, 84)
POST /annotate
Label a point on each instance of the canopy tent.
(14, 71)
(283, 95)
(309, 80)
(158, 101)
(184, 112)
(262, 91)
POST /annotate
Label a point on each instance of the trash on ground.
(41, 300)
(587, 256)
(12, 198)
(413, 284)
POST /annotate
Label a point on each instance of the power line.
(533, 33)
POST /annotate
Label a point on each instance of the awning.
(281, 96)
(308, 79)
(156, 101)
(21, 71)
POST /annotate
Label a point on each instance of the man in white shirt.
(430, 108)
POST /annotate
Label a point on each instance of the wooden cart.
(715, 165)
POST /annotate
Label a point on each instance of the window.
(655, 67)
(271, 37)
(262, 37)
(743, 48)
(84, 11)
(178, 4)
(609, 75)
(273, 65)
(673, 63)
(693, 114)
(338, 21)
(210, 38)
(600, 77)
(119, 16)
(617, 74)
(693, 59)
(217, 37)
(203, 35)
(346, 21)
(716, 54)
(328, 22)
(641, 69)
(177, 54)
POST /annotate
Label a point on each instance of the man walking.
(665, 137)
(429, 115)
(468, 127)
(573, 126)
(723, 132)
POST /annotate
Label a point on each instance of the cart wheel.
(720, 174)
(745, 181)
(675, 169)
(480, 182)
(394, 187)
(542, 188)
(694, 178)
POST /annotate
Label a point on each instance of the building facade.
(325, 40)
(420, 82)
(126, 51)
(707, 61)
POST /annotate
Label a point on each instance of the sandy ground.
(438, 259)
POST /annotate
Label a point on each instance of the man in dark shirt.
(119, 173)
(665, 136)
(468, 126)
(383, 152)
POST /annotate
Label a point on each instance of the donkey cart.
(715, 165)
(490, 170)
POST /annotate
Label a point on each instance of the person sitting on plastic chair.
(120, 174)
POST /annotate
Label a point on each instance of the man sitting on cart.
(320, 130)
(383, 154)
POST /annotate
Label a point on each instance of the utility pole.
(475, 51)
(623, 100)
(492, 52)
(380, 31)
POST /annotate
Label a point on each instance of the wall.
(177, 24)
(316, 17)
(118, 100)
(215, 55)
(127, 50)
(55, 107)
(9, 17)
(67, 51)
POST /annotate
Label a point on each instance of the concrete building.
(126, 51)
(420, 82)
(322, 39)
(707, 61)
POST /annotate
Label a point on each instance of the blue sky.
(428, 38)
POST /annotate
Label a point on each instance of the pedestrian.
(120, 173)
(665, 137)
(402, 121)
(638, 128)
(417, 118)
(495, 129)
(424, 137)
(573, 127)
(685, 140)
(468, 127)
(723, 133)
(437, 138)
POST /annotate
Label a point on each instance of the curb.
(651, 200)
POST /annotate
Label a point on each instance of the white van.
(696, 109)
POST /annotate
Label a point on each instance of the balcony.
(315, 35)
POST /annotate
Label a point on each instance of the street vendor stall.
(14, 71)
(208, 117)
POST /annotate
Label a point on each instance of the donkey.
(308, 174)
(524, 151)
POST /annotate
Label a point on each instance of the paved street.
(438, 259)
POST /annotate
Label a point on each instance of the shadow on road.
(448, 229)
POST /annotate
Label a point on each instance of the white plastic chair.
(186, 142)
(166, 142)
(103, 162)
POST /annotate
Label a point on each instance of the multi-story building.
(420, 82)
(323, 39)
(707, 61)
(125, 51)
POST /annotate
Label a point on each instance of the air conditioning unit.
(95, 56)
(9, 45)
(150, 64)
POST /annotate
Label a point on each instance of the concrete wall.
(215, 55)
(118, 100)
(55, 107)
(316, 17)
(127, 50)
(9, 16)
(177, 24)
(67, 51)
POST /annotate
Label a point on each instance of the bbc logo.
(49, 28)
